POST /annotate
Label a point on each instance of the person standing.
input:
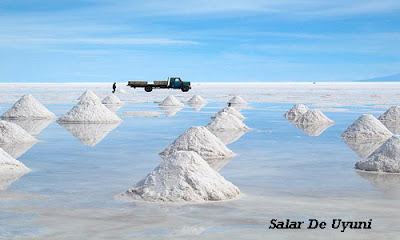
(114, 87)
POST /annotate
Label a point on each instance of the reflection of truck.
(172, 82)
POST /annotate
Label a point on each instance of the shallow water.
(281, 171)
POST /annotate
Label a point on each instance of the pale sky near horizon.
(259, 40)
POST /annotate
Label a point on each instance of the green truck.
(172, 82)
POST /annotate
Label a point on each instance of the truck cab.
(176, 82)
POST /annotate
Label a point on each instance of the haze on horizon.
(200, 41)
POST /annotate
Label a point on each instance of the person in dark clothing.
(114, 87)
(229, 104)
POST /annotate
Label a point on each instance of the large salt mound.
(231, 111)
(367, 127)
(88, 94)
(10, 169)
(171, 101)
(201, 141)
(295, 112)
(112, 99)
(197, 99)
(385, 159)
(28, 108)
(314, 116)
(183, 177)
(237, 100)
(226, 122)
(12, 133)
(90, 110)
(392, 114)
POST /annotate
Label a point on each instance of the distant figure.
(229, 104)
(114, 87)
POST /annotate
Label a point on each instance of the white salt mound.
(232, 111)
(171, 101)
(12, 133)
(237, 100)
(9, 165)
(385, 159)
(197, 99)
(183, 177)
(314, 116)
(112, 99)
(367, 127)
(226, 122)
(392, 114)
(121, 90)
(88, 94)
(28, 108)
(295, 112)
(90, 110)
(201, 141)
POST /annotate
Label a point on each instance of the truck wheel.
(148, 88)
(185, 88)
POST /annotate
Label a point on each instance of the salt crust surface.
(201, 141)
(183, 177)
(295, 112)
(171, 101)
(28, 108)
(112, 99)
(12, 133)
(367, 127)
(197, 99)
(237, 100)
(224, 122)
(232, 111)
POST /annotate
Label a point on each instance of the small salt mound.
(88, 94)
(314, 116)
(90, 110)
(8, 164)
(121, 90)
(392, 114)
(231, 111)
(385, 159)
(171, 101)
(112, 99)
(12, 133)
(197, 99)
(182, 177)
(201, 141)
(295, 112)
(28, 108)
(367, 127)
(226, 122)
(237, 100)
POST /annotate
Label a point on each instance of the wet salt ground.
(282, 172)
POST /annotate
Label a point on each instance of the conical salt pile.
(392, 114)
(237, 100)
(231, 111)
(182, 177)
(314, 116)
(385, 159)
(121, 91)
(90, 110)
(12, 133)
(367, 127)
(197, 99)
(226, 122)
(88, 94)
(112, 100)
(171, 101)
(201, 141)
(295, 112)
(28, 108)
(10, 169)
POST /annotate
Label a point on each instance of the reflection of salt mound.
(392, 114)
(90, 110)
(197, 99)
(12, 133)
(226, 122)
(112, 99)
(89, 134)
(183, 177)
(121, 90)
(295, 112)
(113, 108)
(393, 126)
(28, 108)
(313, 130)
(314, 116)
(237, 100)
(217, 163)
(201, 141)
(171, 101)
(10, 169)
(385, 159)
(364, 147)
(33, 126)
(88, 94)
(16, 150)
(145, 114)
(196, 107)
(169, 110)
(389, 183)
(228, 137)
(367, 127)
(231, 111)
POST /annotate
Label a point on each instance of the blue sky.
(202, 40)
